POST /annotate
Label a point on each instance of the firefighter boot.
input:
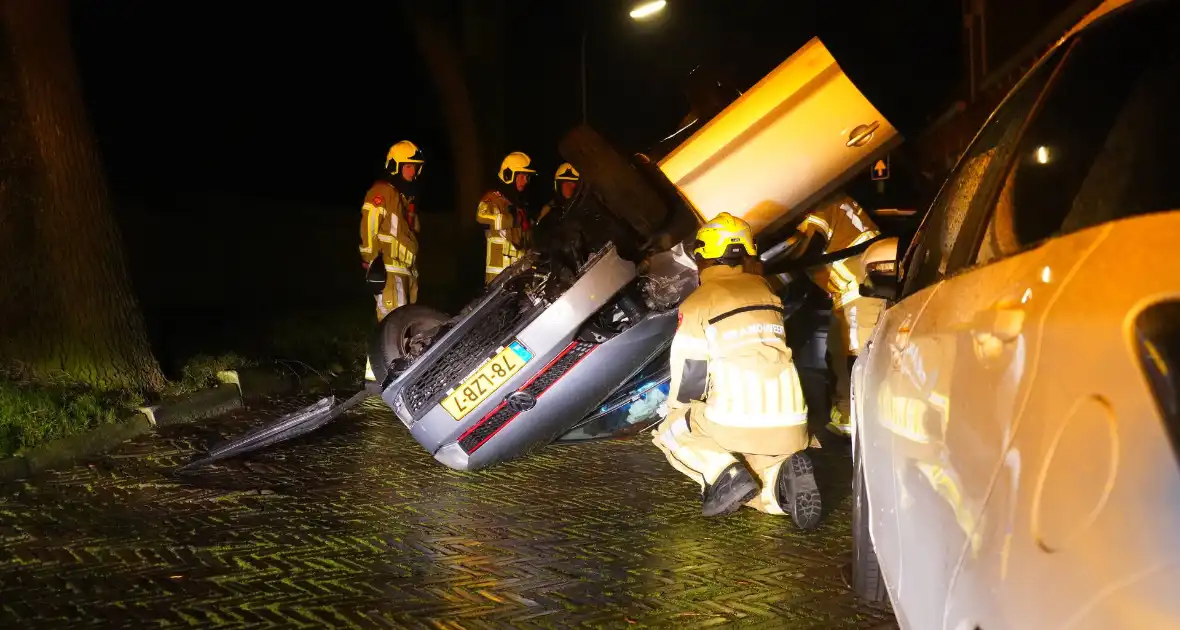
(797, 492)
(733, 488)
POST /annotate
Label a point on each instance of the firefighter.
(736, 421)
(504, 217)
(565, 184)
(389, 224)
(838, 224)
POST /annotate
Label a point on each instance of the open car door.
(802, 132)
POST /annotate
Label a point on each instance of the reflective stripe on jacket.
(385, 229)
(842, 224)
(730, 363)
(505, 237)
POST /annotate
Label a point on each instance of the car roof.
(1106, 7)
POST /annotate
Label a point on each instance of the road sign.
(880, 169)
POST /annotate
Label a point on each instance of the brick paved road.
(354, 526)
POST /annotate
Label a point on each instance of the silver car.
(1017, 414)
(570, 343)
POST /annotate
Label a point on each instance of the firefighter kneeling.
(737, 423)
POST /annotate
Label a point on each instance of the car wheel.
(620, 186)
(391, 340)
(867, 581)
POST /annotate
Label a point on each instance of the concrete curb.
(66, 450)
(237, 388)
(199, 405)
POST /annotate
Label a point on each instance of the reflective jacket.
(840, 224)
(388, 227)
(506, 229)
(731, 365)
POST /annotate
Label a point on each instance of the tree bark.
(483, 47)
(67, 301)
(437, 46)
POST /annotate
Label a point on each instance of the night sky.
(300, 100)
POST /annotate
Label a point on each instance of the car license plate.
(486, 380)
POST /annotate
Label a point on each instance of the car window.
(1100, 147)
(971, 183)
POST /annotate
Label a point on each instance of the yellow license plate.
(486, 380)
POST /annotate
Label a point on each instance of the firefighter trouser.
(699, 457)
(500, 254)
(851, 327)
(400, 289)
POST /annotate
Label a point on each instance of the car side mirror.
(881, 280)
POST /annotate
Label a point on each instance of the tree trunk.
(482, 28)
(68, 305)
(438, 48)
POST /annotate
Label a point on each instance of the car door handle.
(861, 134)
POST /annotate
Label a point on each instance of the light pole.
(640, 11)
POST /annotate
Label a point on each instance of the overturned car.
(571, 342)
(562, 343)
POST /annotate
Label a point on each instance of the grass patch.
(33, 412)
(201, 372)
(330, 344)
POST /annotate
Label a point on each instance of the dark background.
(239, 138)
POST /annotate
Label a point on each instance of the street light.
(644, 10)
(641, 11)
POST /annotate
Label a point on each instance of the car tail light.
(546, 377)
(1157, 335)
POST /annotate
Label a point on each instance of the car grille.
(476, 339)
(502, 415)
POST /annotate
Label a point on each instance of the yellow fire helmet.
(883, 251)
(404, 152)
(565, 173)
(881, 257)
(513, 164)
(724, 236)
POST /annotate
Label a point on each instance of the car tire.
(388, 343)
(867, 581)
(621, 188)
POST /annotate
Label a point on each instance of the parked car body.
(571, 342)
(1016, 415)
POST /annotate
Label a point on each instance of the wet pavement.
(356, 526)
